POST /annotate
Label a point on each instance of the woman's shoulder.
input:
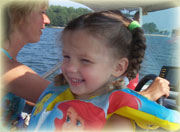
(15, 67)
(22, 68)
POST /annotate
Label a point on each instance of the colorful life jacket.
(133, 83)
(57, 108)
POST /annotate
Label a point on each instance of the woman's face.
(31, 27)
(87, 64)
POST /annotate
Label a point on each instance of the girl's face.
(32, 25)
(87, 64)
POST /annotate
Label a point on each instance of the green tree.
(60, 15)
(150, 28)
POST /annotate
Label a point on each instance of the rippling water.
(161, 51)
(42, 56)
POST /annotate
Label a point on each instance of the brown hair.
(112, 26)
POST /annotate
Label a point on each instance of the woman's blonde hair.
(16, 11)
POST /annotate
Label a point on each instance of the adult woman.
(23, 22)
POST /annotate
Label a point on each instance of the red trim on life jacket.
(133, 83)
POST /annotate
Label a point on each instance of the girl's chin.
(76, 93)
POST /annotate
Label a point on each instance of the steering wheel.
(143, 81)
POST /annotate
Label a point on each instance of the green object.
(133, 25)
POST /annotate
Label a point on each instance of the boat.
(144, 7)
(147, 6)
(131, 5)
(175, 36)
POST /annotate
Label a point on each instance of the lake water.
(42, 56)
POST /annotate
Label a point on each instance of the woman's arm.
(23, 81)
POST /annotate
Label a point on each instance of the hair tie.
(133, 25)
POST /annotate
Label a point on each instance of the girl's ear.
(120, 67)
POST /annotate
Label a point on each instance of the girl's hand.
(158, 88)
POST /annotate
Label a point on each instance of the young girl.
(99, 49)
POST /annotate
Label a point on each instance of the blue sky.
(165, 20)
(66, 3)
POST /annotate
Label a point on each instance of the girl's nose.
(72, 67)
(46, 19)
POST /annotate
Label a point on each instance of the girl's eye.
(85, 61)
(68, 120)
(66, 57)
(78, 123)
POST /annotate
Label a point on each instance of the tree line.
(151, 28)
(60, 15)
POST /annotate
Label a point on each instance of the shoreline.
(160, 35)
(54, 27)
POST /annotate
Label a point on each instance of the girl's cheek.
(62, 67)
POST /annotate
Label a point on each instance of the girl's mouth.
(76, 82)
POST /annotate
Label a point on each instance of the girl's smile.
(76, 82)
